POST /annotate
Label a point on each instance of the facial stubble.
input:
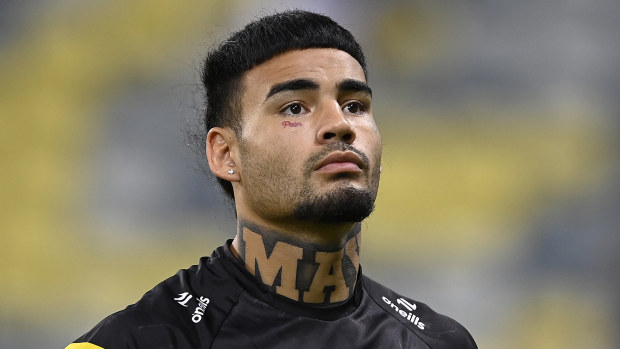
(344, 202)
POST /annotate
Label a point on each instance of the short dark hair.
(256, 43)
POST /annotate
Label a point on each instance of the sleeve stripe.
(83, 346)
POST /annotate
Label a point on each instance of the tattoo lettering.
(302, 273)
(352, 250)
(328, 274)
(291, 124)
(283, 259)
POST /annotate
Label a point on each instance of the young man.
(292, 140)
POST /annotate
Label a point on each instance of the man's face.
(310, 149)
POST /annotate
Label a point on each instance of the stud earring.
(231, 171)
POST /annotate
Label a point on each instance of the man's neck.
(299, 270)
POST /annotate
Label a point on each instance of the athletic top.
(218, 304)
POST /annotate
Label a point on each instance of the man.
(292, 140)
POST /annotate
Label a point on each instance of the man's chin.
(340, 182)
(342, 204)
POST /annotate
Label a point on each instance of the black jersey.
(218, 304)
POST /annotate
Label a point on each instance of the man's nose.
(334, 126)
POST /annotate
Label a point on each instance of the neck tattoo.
(299, 271)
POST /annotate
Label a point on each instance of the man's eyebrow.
(292, 85)
(354, 85)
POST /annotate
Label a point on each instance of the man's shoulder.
(150, 321)
(174, 311)
(437, 330)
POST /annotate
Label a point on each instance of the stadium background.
(500, 193)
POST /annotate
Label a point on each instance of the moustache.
(330, 148)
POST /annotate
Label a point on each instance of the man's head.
(258, 42)
(292, 118)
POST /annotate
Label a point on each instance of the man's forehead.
(316, 64)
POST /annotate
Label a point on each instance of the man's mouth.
(340, 161)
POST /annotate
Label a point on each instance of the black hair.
(256, 43)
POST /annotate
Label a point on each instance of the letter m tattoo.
(284, 257)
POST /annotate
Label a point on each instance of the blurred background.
(499, 202)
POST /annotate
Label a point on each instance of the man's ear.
(221, 143)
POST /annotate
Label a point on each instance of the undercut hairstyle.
(256, 43)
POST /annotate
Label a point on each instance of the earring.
(231, 171)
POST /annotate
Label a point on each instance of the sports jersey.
(218, 304)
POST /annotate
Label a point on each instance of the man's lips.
(341, 162)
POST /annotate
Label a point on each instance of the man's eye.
(293, 109)
(354, 108)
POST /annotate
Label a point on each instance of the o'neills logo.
(199, 312)
(405, 309)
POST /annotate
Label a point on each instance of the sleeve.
(133, 330)
(83, 345)
(110, 333)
